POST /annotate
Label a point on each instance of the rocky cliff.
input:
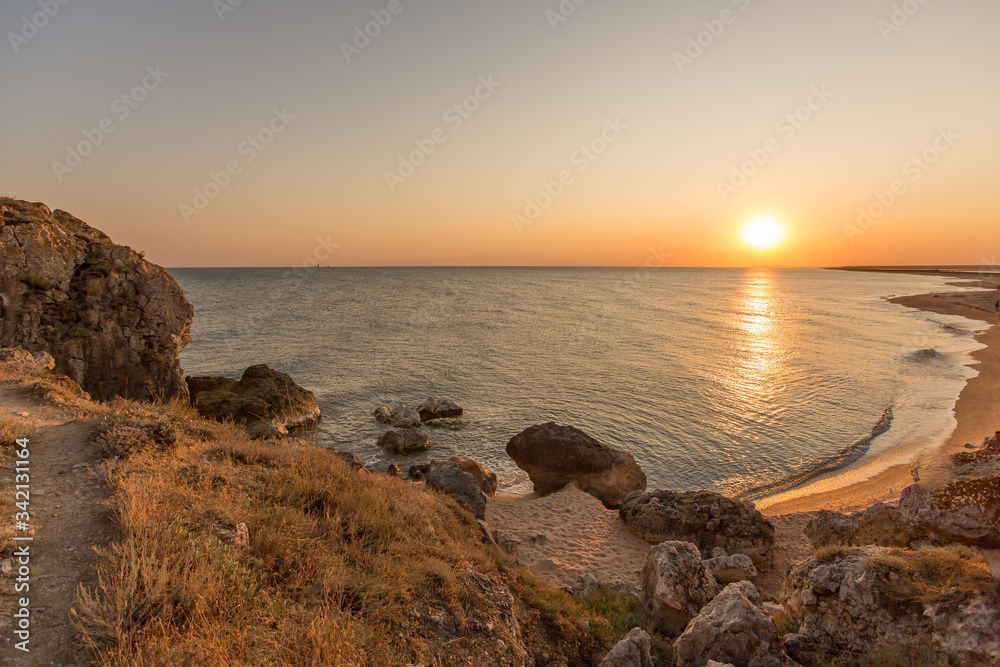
(114, 322)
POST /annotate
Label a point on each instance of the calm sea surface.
(718, 379)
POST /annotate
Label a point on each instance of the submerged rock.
(113, 322)
(404, 441)
(554, 455)
(675, 585)
(447, 477)
(437, 408)
(399, 416)
(733, 628)
(262, 397)
(701, 517)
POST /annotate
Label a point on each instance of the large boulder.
(554, 455)
(733, 628)
(261, 396)
(486, 479)
(113, 322)
(438, 408)
(966, 511)
(732, 568)
(404, 441)
(701, 517)
(398, 416)
(631, 651)
(447, 477)
(675, 585)
(930, 606)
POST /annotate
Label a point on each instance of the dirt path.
(69, 520)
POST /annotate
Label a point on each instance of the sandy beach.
(568, 534)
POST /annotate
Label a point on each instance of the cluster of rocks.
(112, 322)
(410, 438)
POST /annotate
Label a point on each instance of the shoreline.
(977, 410)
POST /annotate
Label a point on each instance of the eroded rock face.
(113, 322)
(404, 441)
(881, 524)
(730, 569)
(447, 477)
(701, 517)
(438, 408)
(631, 651)
(554, 455)
(966, 511)
(262, 396)
(732, 628)
(675, 585)
(486, 479)
(899, 602)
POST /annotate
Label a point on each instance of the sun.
(763, 233)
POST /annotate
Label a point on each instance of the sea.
(743, 381)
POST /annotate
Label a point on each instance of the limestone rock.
(437, 408)
(701, 517)
(966, 511)
(730, 569)
(398, 416)
(113, 322)
(267, 430)
(487, 480)
(261, 395)
(631, 651)
(732, 628)
(554, 455)
(881, 524)
(447, 477)
(675, 585)
(877, 600)
(404, 441)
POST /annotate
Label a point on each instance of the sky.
(514, 132)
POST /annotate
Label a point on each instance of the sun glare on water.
(763, 233)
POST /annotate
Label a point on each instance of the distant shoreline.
(977, 409)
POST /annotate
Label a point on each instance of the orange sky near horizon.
(509, 134)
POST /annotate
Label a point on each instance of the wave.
(845, 457)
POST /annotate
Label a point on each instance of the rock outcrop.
(398, 416)
(404, 441)
(701, 517)
(631, 651)
(113, 322)
(967, 511)
(486, 479)
(893, 603)
(438, 408)
(266, 401)
(554, 455)
(675, 585)
(447, 477)
(733, 628)
(881, 524)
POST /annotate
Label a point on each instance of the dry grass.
(946, 576)
(340, 567)
(11, 430)
(49, 388)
